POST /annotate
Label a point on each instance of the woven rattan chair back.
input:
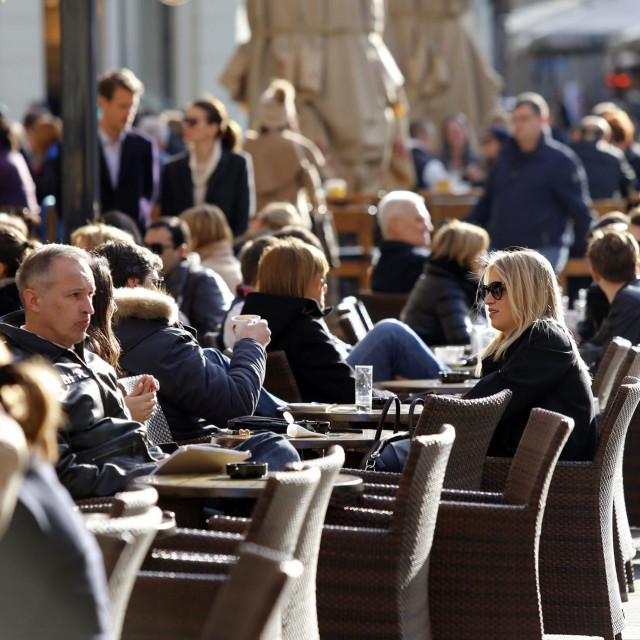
(279, 378)
(137, 532)
(474, 421)
(13, 463)
(158, 429)
(630, 366)
(416, 505)
(260, 580)
(354, 319)
(608, 369)
(535, 458)
(299, 618)
(277, 518)
(383, 305)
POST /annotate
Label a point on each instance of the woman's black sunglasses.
(494, 288)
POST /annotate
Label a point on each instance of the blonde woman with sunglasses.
(533, 353)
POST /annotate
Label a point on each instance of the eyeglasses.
(158, 248)
(496, 289)
(191, 122)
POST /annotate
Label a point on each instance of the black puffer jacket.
(297, 328)
(194, 391)
(439, 303)
(101, 448)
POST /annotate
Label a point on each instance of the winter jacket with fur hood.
(195, 392)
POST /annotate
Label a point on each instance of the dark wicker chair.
(353, 319)
(276, 523)
(578, 581)
(383, 305)
(299, 617)
(484, 565)
(279, 378)
(608, 370)
(373, 566)
(474, 421)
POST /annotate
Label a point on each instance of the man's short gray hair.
(35, 268)
(397, 204)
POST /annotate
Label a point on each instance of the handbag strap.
(412, 409)
(383, 416)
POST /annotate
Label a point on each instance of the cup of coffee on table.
(239, 322)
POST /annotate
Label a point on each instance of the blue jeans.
(393, 349)
(556, 255)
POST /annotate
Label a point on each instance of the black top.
(399, 266)
(543, 369)
(297, 329)
(228, 188)
(439, 304)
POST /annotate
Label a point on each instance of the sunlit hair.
(92, 235)
(399, 204)
(614, 254)
(28, 395)
(277, 215)
(289, 268)
(622, 129)
(207, 223)
(532, 290)
(229, 131)
(459, 241)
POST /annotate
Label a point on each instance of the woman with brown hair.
(54, 584)
(213, 170)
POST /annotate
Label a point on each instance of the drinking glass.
(364, 386)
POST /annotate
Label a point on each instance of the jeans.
(393, 349)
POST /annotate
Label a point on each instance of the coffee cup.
(239, 322)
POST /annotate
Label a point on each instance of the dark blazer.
(138, 177)
(228, 187)
(439, 304)
(543, 369)
(297, 329)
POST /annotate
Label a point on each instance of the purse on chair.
(389, 453)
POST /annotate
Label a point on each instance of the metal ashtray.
(453, 376)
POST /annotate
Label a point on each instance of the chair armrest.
(359, 517)
(189, 562)
(374, 477)
(200, 541)
(457, 495)
(229, 524)
(380, 489)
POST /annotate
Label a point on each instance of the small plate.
(318, 407)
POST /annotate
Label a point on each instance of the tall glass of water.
(364, 386)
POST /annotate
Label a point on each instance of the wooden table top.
(205, 485)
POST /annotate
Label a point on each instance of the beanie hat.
(277, 105)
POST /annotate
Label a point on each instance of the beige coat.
(219, 257)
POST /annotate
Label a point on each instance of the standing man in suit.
(129, 169)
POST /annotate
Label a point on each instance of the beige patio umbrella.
(444, 68)
(350, 96)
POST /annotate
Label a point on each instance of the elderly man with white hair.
(406, 228)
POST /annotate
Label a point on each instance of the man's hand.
(258, 330)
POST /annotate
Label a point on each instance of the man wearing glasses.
(202, 295)
(129, 169)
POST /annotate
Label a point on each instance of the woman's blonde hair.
(27, 394)
(289, 267)
(459, 241)
(532, 289)
(98, 233)
(207, 224)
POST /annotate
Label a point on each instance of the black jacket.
(530, 198)
(297, 329)
(439, 303)
(609, 174)
(202, 295)
(398, 267)
(228, 187)
(101, 448)
(138, 176)
(543, 369)
(194, 391)
(622, 320)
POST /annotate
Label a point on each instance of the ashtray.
(453, 376)
(247, 469)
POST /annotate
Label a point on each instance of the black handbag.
(390, 453)
(258, 423)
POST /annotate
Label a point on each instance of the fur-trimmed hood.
(145, 304)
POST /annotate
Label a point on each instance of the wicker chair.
(373, 566)
(125, 535)
(279, 378)
(608, 369)
(299, 618)
(353, 319)
(13, 464)
(276, 523)
(578, 581)
(474, 421)
(383, 305)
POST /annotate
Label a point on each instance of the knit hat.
(277, 105)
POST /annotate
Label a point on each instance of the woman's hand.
(142, 400)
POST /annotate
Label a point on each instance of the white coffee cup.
(238, 322)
